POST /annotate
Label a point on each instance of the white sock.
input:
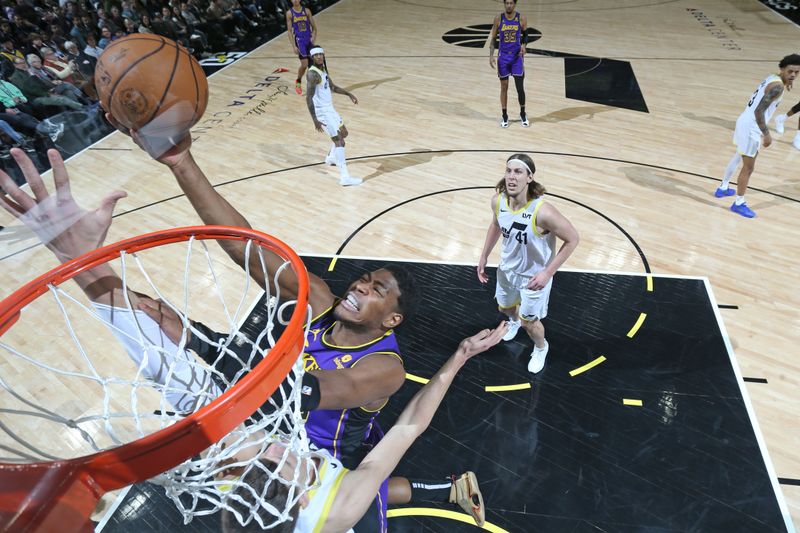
(739, 200)
(797, 135)
(341, 162)
(729, 170)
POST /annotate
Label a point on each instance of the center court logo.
(475, 36)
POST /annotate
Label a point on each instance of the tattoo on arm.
(771, 94)
(313, 79)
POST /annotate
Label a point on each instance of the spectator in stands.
(104, 20)
(63, 88)
(80, 29)
(92, 49)
(105, 37)
(38, 92)
(17, 139)
(116, 18)
(130, 26)
(57, 39)
(9, 51)
(128, 12)
(145, 26)
(35, 43)
(83, 72)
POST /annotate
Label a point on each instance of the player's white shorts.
(331, 120)
(747, 137)
(511, 291)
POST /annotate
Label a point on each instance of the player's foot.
(538, 355)
(329, 160)
(350, 180)
(524, 119)
(465, 492)
(513, 328)
(504, 122)
(298, 88)
(721, 193)
(743, 209)
(796, 141)
(779, 122)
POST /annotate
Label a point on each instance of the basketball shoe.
(721, 193)
(465, 492)
(504, 122)
(298, 87)
(538, 355)
(350, 180)
(743, 209)
(513, 328)
(524, 119)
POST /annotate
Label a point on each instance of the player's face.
(789, 73)
(510, 5)
(371, 300)
(517, 178)
(319, 59)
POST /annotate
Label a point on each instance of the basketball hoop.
(42, 492)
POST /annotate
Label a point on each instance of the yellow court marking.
(412, 377)
(441, 513)
(628, 401)
(502, 388)
(587, 366)
(649, 283)
(638, 324)
(333, 263)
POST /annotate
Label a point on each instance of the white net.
(78, 377)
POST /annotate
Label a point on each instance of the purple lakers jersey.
(510, 34)
(341, 431)
(301, 26)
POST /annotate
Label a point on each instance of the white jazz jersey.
(525, 251)
(323, 99)
(330, 475)
(748, 117)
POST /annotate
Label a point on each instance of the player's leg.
(739, 205)
(504, 102)
(518, 71)
(724, 189)
(298, 84)
(341, 161)
(508, 298)
(533, 309)
(462, 490)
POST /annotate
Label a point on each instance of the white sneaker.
(350, 180)
(796, 141)
(503, 123)
(779, 121)
(538, 355)
(330, 161)
(513, 328)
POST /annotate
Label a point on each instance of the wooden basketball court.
(632, 158)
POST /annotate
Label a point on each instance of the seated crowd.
(49, 50)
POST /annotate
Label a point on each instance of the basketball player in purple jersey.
(302, 33)
(512, 28)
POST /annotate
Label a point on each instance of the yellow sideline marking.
(333, 263)
(628, 401)
(638, 324)
(501, 388)
(441, 513)
(587, 366)
(412, 377)
(649, 283)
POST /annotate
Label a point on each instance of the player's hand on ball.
(164, 150)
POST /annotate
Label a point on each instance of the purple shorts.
(509, 64)
(303, 46)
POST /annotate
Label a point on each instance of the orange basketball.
(151, 84)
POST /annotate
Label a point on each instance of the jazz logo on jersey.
(519, 234)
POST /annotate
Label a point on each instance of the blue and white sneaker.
(721, 193)
(743, 210)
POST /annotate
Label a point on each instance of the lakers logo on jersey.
(309, 363)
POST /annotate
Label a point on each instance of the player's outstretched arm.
(213, 208)
(359, 487)
(63, 226)
(492, 236)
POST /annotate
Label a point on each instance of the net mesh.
(79, 377)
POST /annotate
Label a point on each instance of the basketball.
(151, 84)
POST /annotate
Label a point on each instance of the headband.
(316, 50)
(521, 162)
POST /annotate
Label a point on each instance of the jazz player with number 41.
(528, 260)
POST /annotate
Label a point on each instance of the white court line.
(751, 412)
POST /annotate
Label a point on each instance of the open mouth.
(350, 302)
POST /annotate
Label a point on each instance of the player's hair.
(791, 59)
(408, 300)
(535, 189)
(277, 493)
